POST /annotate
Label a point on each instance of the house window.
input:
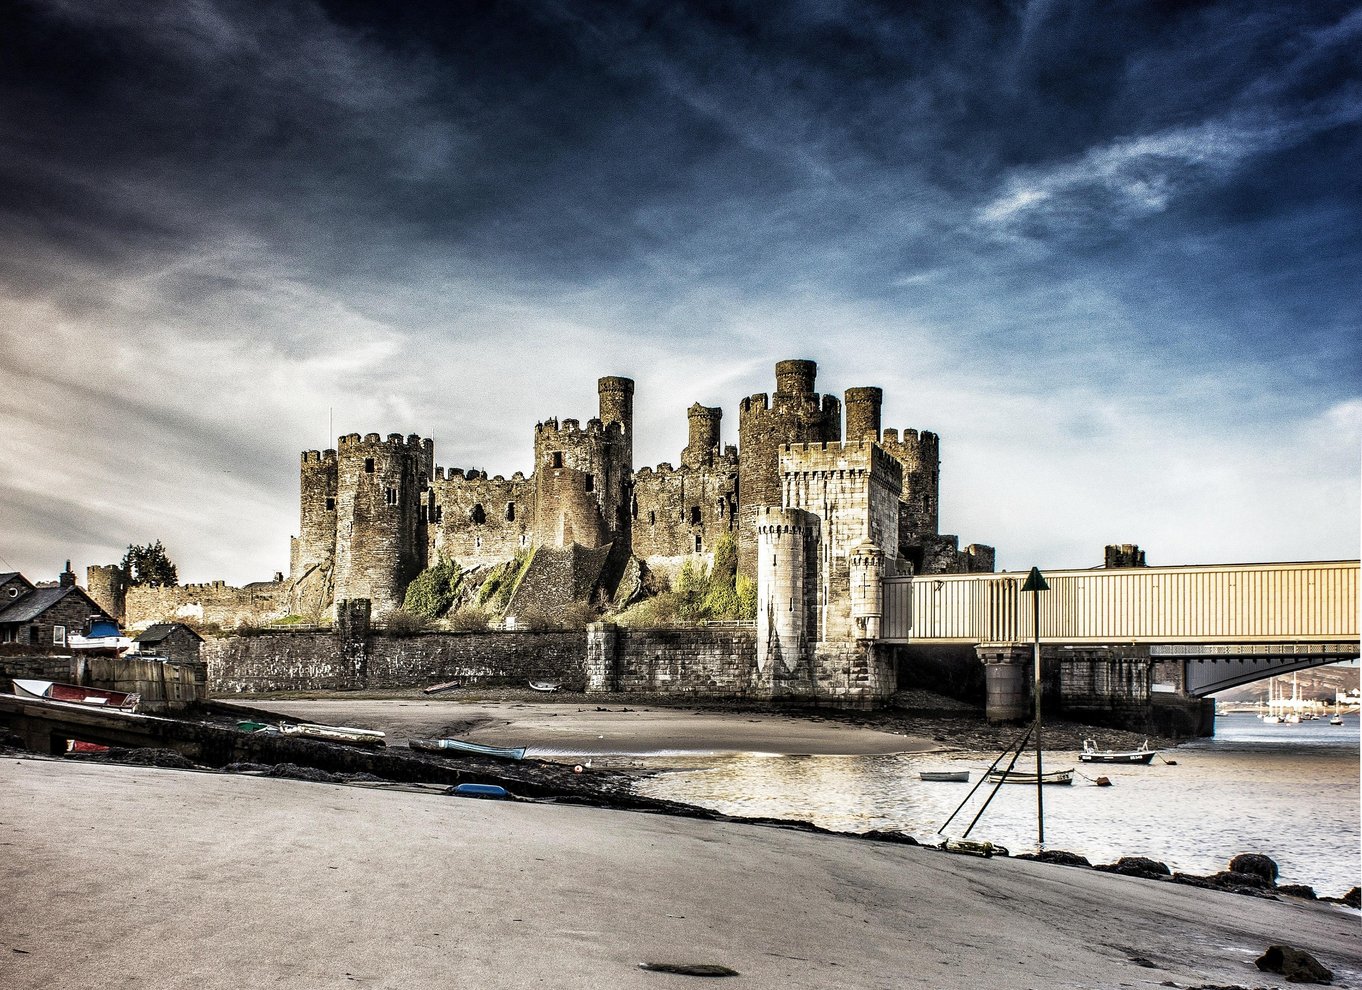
(591, 482)
(510, 512)
(33, 635)
(368, 465)
(478, 516)
(557, 458)
(58, 635)
(331, 505)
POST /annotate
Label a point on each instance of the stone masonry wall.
(478, 520)
(672, 510)
(700, 661)
(215, 603)
(312, 661)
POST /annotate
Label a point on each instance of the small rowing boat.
(547, 685)
(1091, 754)
(76, 694)
(453, 685)
(453, 747)
(333, 733)
(945, 776)
(1029, 777)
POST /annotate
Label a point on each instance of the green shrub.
(468, 618)
(403, 623)
(433, 590)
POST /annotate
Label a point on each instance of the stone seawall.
(315, 661)
(704, 661)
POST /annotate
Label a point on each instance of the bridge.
(1119, 638)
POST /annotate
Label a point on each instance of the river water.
(1289, 791)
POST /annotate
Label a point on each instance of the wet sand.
(595, 729)
(131, 877)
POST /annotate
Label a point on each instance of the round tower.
(794, 414)
(380, 540)
(317, 511)
(787, 553)
(617, 406)
(107, 584)
(866, 565)
(863, 412)
(703, 449)
(795, 377)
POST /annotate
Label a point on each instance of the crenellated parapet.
(476, 519)
(582, 477)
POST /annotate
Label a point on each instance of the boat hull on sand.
(76, 694)
(458, 747)
(334, 733)
(945, 776)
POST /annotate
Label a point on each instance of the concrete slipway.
(132, 877)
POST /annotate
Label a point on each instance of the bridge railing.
(1239, 603)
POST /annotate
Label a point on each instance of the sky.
(1113, 257)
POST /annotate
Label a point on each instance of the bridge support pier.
(1007, 681)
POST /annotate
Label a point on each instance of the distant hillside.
(1318, 682)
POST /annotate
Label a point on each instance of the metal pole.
(1040, 799)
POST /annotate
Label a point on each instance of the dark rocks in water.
(1138, 866)
(1257, 864)
(1058, 856)
(1297, 890)
(292, 771)
(1353, 898)
(1297, 965)
(688, 969)
(151, 757)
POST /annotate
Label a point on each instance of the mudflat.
(122, 876)
(597, 729)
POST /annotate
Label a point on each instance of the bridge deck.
(1313, 602)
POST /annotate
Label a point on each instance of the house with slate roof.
(44, 616)
(172, 640)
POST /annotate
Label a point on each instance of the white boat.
(546, 685)
(1091, 754)
(333, 733)
(1029, 776)
(1336, 720)
(945, 776)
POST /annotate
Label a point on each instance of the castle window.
(368, 465)
(391, 496)
(524, 540)
(438, 514)
(510, 512)
(698, 545)
(478, 516)
(591, 482)
(652, 518)
(721, 508)
(331, 505)
(695, 515)
(557, 458)
(633, 507)
(477, 543)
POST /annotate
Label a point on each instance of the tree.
(149, 565)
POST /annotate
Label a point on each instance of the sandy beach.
(133, 877)
(594, 729)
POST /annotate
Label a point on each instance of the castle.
(374, 512)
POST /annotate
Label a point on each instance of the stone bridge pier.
(1121, 686)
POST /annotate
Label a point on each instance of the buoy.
(577, 768)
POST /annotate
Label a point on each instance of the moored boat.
(1029, 776)
(546, 685)
(1091, 754)
(76, 694)
(947, 776)
(453, 747)
(333, 733)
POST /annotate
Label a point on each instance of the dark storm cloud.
(226, 223)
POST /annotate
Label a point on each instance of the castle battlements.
(394, 441)
(574, 427)
(319, 457)
(841, 455)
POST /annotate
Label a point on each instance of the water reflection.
(1288, 791)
